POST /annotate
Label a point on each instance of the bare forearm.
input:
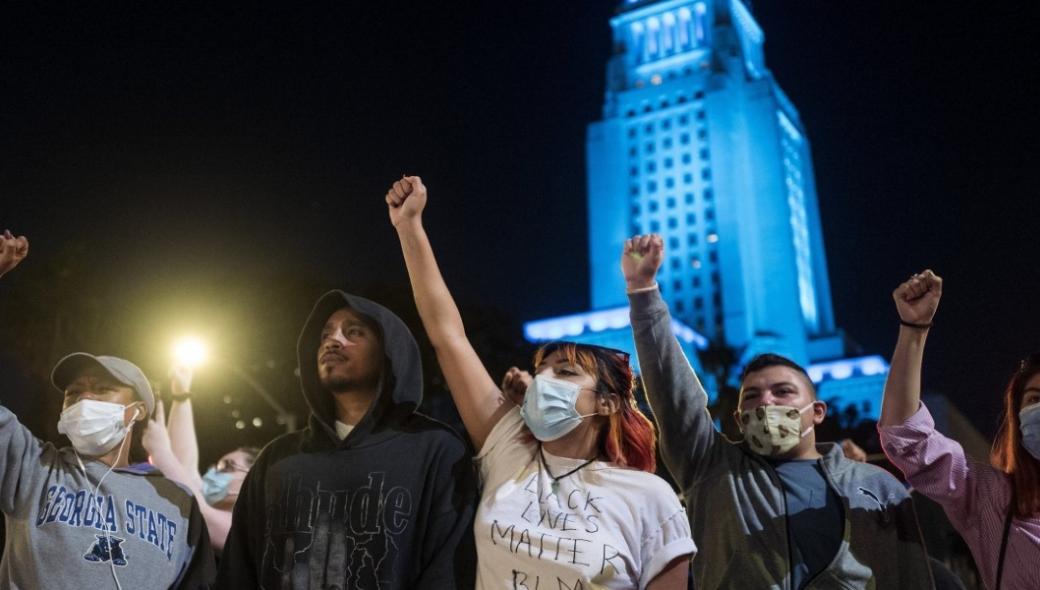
(902, 395)
(440, 315)
(183, 441)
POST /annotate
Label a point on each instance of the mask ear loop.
(97, 488)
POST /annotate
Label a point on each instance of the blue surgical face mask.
(1029, 423)
(549, 408)
(215, 485)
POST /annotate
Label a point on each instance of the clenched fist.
(640, 260)
(406, 199)
(12, 251)
(515, 383)
(918, 298)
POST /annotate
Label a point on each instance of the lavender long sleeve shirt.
(974, 495)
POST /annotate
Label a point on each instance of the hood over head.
(402, 381)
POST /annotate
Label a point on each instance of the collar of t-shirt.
(343, 429)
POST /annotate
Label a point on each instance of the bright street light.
(190, 352)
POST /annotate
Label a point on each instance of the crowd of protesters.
(561, 492)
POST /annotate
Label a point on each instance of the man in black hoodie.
(372, 494)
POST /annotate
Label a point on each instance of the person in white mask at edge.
(996, 506)
(569, 496)
(776, 510)
(82, 516)
(174, 450)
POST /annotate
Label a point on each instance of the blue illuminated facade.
(698, 143)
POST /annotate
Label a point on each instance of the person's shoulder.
(433, 430)
(643, 485)
(864, 474)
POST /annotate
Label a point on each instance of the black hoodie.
(390, 506)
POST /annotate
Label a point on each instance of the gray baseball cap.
(121, 370)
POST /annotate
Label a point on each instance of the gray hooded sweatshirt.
(735, 499)
(146, 528)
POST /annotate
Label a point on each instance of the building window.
(698, 303)
(648, 129)
(635, 209)
(633, 171)
(666, 143)
(691, 218)
(686, 158)
(700, 115)
(691, 239)
(695, 262)
(715, 278)
(651, 166)
(670, 202)
(633, 190)
(713, 257)
(651, 187)
(649, 147)
(709, 214)
(632, 132)
(702, 133)
(668, 162)
(687, 178)
(666, 124)
(677, 285)
(689, 198)
(684, 120)
(680, 307)
(669, 182)
(684, 139)
(696, 282)
(673, 243)
(655, 227)
(706, 174)
(673, 223)
(712, 238)
(675, 264)
(704, 154)
(652, 206)
(708, 194)
(633, 152)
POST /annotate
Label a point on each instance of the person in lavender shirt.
(996, 508)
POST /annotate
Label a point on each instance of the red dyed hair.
(629, 439)
(1008, 454)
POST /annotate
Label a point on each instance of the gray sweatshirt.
(736, 502)
(61, 535)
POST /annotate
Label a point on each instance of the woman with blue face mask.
(995, 507)
(566, 458)
(174, 450)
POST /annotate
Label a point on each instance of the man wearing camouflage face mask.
(777, 510)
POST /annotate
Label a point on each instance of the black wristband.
(181, 397)
(915, 326)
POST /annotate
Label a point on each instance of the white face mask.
(549, 408)
(773, 430)
(94, 427)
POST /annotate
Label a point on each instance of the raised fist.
(12, 251)
(640, 260)
(180, 379)
(918, 298)
(406, 199)
(514, 385)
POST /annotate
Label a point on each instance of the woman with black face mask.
(569, 495)
(996, 507)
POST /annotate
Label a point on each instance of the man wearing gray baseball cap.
(83, 516)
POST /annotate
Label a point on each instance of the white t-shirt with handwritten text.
(605, 526)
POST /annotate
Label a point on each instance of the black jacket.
(390, 506)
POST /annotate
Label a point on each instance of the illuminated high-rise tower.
(699, 144)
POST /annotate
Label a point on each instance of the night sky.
(214, 169)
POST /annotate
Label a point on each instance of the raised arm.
(156, 441)
(916, 301)
(679, 402)
(181, 425)
(477, 397)
(12, 251)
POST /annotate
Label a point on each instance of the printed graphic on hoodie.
(342, 534)
(81, 508)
